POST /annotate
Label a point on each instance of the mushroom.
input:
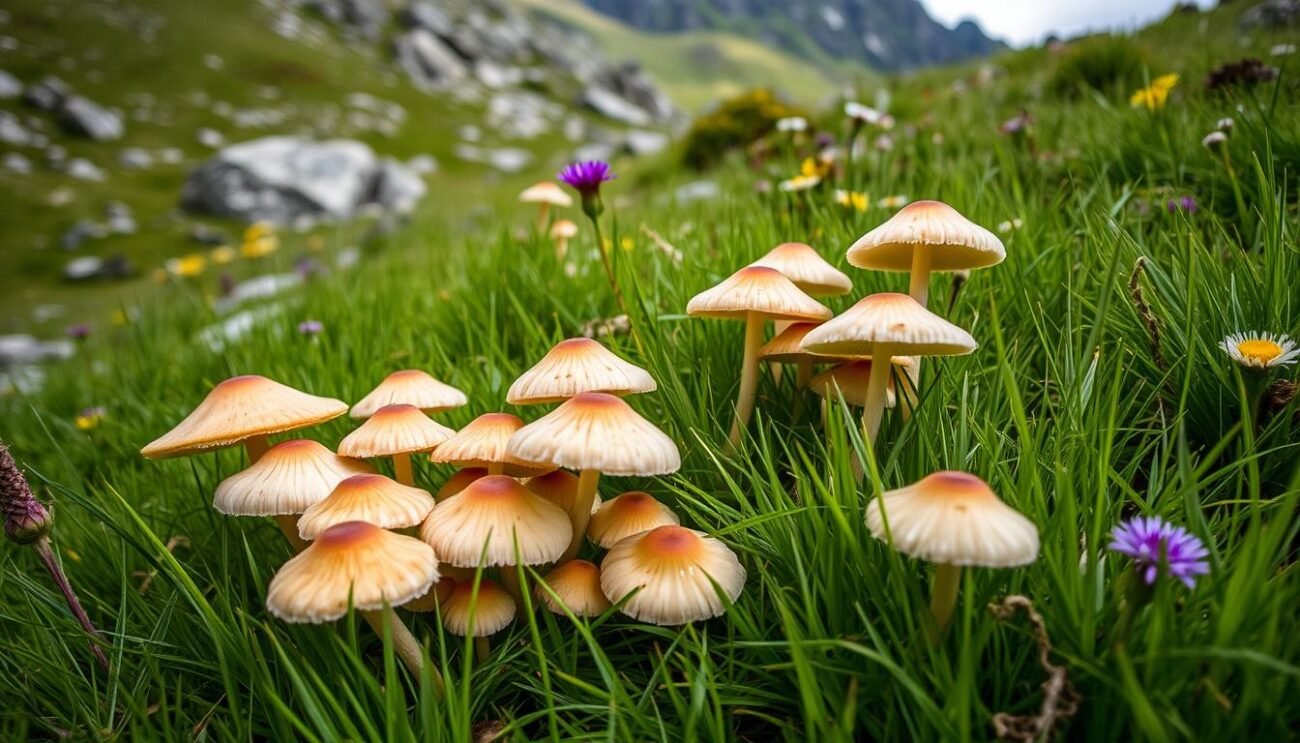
(244, 410)
(884, 326)
(926, 236)
(807, 269)
(374, 499)
(754, 294)
(595, 433)
(628, 514)
(396, 431)
(561, 488)
(562, 232)
(482, 444)
(676, 573)
(574, 587)
(851, 381)
(429, 602)
(952, 519)
(575, 366)
(477, 609)
(545, 194)
(359, 565)
(787, 348)
(459, 481)
(497, 522)
(410, 387)
(290, 478)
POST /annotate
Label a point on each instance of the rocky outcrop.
(84, 117)
(1272, 14)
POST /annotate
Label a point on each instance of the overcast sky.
(1021, 22)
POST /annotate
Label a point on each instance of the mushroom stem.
(405, 646)
(542, 210)
(256, 446)
(561, 248)
(943, 596)
(288, 524)
(402, 469)
(877, 392)
(919, 286)
(748, 377)
(510, 582)
(482, 649)
(496, 468)
(580, 516)
(804, 373)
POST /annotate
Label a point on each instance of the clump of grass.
(1106, 64)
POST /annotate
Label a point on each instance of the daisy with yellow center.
(1260, 350)
(800, 183)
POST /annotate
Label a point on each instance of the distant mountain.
(885, 34)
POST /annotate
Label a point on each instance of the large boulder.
(396, 187)
(84, 117)
(429, 62)
(10, 86)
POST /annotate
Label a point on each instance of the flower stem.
(42, 547)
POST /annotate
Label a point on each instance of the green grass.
(1064, 410)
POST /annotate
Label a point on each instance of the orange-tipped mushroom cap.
(596, 431)
(394, 429)
(757, 290)
(559, 487)
(352, 561)
(545, 192)
(374, 499)
(575, 366)
(850, 381)
(483, 443)
(459, 481)
(954, 518)
(787, 346)
(489, 612)
(675, 570)
(410, 387)
(955, 242)
(628, 514)
(893, 319)
(807, 269)
(429, 602)
(290, 477)
(564, 228)
(576, 583)
(241, 408)
(480, 525)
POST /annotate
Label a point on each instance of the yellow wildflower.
(260, 247)
(1155, 95)
(855, 200)
(257, 231)
(626, 244)
(187, 266)
(222, 255)
(800, 183)
(89, 418)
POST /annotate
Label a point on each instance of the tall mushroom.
(396, 431)
(374, 499)
(807, 269)
(952, 519)
(575, 366)
(244, 410)
(625, 515)
(595, 433)
(410, 387)
(883, 326)
(482, 444)
(754, 294)
(676, 573)
(545, 194)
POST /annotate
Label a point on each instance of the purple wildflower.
(1157, 546)
(1017, 124)
(311, 327)
(585, 177)
(824, 140)
(1182, 203)
(79, 332)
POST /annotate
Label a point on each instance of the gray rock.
(82, 231)
(12, 131)
(697, 190)
(211, 138)
(83, 268)
(118, 218)
(1272, 14)
(365, 18)
(82, 116)
(56, 157)
(613, 106)
(17, 163)
(48, 94)
(397, 188)
(135, 158)
(171, 155)
(207, 235)
(521, 115)
(84, 170)
(10, 86)
(595, 151)
(427, 61)
(428, 16)
(423, 164)
(19, 350)
(506, 159)
(630, 82)
(639, 143)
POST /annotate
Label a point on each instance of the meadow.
(1098, 393)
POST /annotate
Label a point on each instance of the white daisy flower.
(791, 124)
(1260, 350)
(1214, 140)
(800, 183)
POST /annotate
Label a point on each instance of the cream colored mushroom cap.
(394, 429)
(807, 269)
(480, 443)
(849, 381)
(565, 228)
(374, 499)
(545, 192)
(597, 431)
(954, 518)
(482, 522)
(559, 487)
(410, 387)
(955, 242)
(757, 290)
(460, 480)
(887, 318)
(490, 611)
(787, 346)
(290, 477)
(575, 366)
(675, 569)
(628, 514)
(241, 408)
(353, 560)
(576, 583)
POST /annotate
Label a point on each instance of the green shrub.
(734, 124)
(1106, 64)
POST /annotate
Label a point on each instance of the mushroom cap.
(628, 514)
(410, 387)
(559, 487)
(289, 478)
(482, 443)
(575, 366)
(851, 379)
(491, 609)
(241, 408)
(807, 269)
(675, 569)
(394, 429)
(759, 290)
(597, 431)
(565, 228)
(956, 243)
(432, 598)
(954, 518)
(480, 524)
(374, 499)
(787, 346)
(577, 584)
(352, 560)
(895, 319)
(545, 192)
(460, 480)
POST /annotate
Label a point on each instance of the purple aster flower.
(1182, 203)
(311, 327)
(585, 177)
(1157, 546)
(79, 332)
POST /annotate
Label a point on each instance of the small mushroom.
(628, 514)
(545, 194)
(482, 444)
(562, 232)
(574, 586)
(852, 380)
(807, 269)
(754, 294)
(676, 573)
(244, 410)
(374, 499)
(459, 481)
(477, 609)
(561, 488)
(595, 433)
(396, 431)
(575, 366)
(410, 387)
(787, 348)
(952, 519)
